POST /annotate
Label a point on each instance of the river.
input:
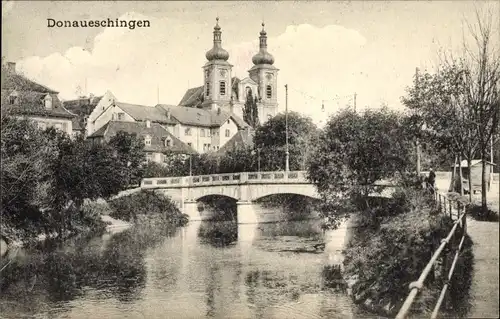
(203, 270)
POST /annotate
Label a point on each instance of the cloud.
(328, 63)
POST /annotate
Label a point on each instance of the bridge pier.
(191, 209)
(246, 213)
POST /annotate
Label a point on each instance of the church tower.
(265, 75)
(217, 75)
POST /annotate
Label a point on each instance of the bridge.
(244, 188)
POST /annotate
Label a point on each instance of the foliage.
(477, 212)
(251, 111)
(130, 154)
(390, 249)
(355, 151)
(270, 140)
(147, 203)
(46, 176)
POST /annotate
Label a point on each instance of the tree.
(270, 139)
(250, 110)
(460, 102)
(355, 151)
(130, 153)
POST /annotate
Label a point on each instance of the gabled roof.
(157, 133)
(143, 112)
(30, 97)
(15, 81)
(31, 103)
(243, 138)
(201, 117)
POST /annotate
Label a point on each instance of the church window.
(207, 89)
(48, 102)
(222, 87)
(187, 131)
(147, 140)
(202, 132)
(269, 91)
(228, 133)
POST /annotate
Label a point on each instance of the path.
(485, 285)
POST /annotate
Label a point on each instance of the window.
(147, 140)
(207, 89)
(269, 92)
(113, 116)
(149, 157)
(190, 144)
(208, 147)
(222, 87)
(202, 132)
(208, 133)
(168, 142)
(13, 98)
(187, 131)
(228, 133)
(148, 123)
(121, 116)
(48, 102)
(58, 126)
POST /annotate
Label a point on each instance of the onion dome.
(263, 57)
(217, 52)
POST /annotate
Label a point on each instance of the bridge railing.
(226, 179)
(446, 204)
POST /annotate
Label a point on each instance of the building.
(222, 91)
(158, 141)
(475, 174)
(82, 108)
(24, 98)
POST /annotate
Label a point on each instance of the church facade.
(222, 91)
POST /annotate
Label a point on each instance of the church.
(221, 91)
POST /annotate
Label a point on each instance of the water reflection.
(205, 270)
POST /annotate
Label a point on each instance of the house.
(474, 173)
(244, 138)
(24, 98)
(82, 108)
(158, 141)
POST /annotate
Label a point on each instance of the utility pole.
(158, 94)
(418, 142)
(355, 102)
(287, 154)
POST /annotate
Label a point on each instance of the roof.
(143, 112)
(201, 117)
(14, 81)
(31, 103)
(30, 97)
(194, 97)
(243, 138)
(83, 105)
(157, 133)
(472, 163)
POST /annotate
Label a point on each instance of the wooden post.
(450, 210)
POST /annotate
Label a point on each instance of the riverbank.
(390, 246)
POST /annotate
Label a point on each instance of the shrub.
(147, 203)
(476, 212)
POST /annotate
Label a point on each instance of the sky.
(326, 51)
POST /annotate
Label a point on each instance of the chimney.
(11, 67)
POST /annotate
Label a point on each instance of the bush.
(392, 248)
(476, 212)
(149, 204)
